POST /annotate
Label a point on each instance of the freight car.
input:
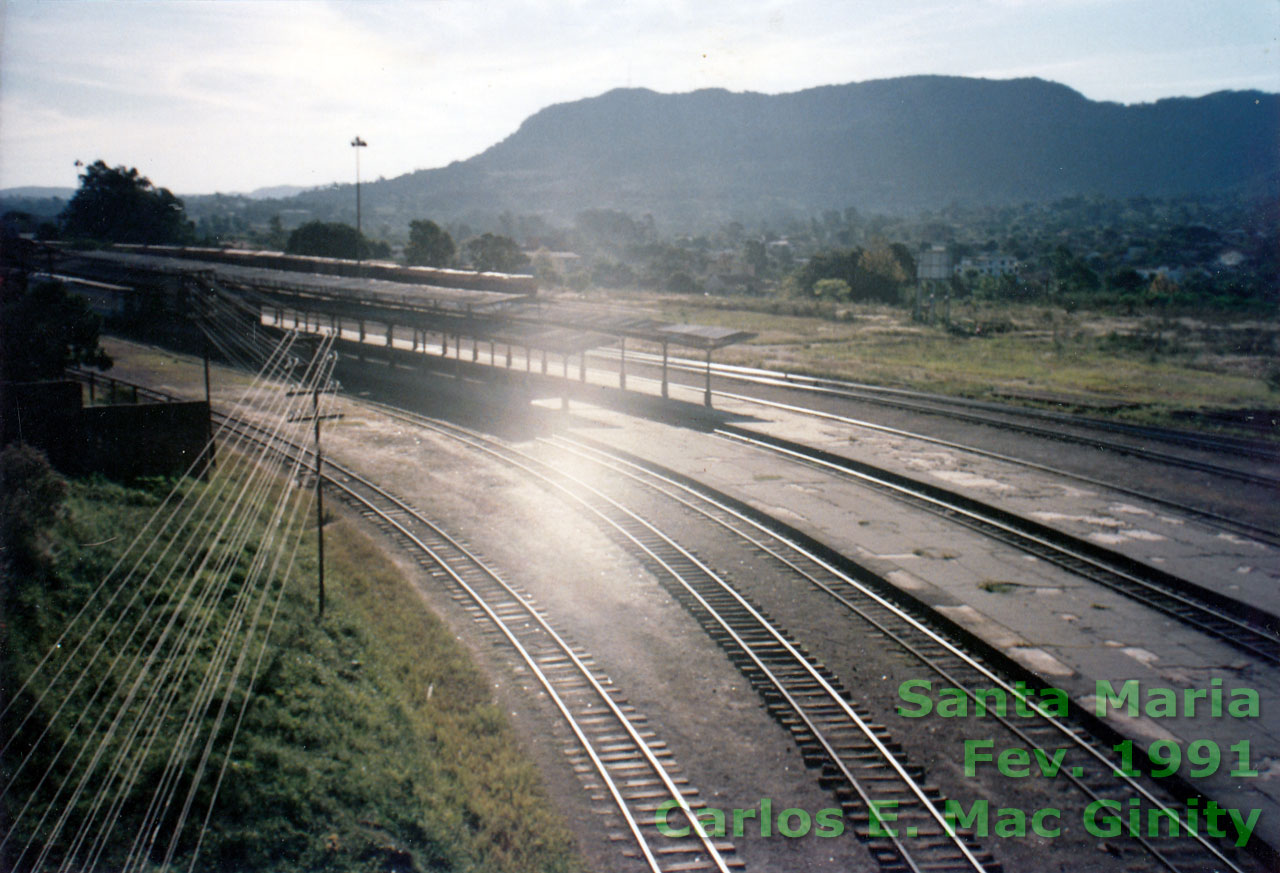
(469, 279)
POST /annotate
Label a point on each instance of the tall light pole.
(358, 144)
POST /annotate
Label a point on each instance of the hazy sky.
(230, 96)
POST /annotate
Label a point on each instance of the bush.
(31, 496)
(832, 289)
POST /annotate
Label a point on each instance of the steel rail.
(1241, 625)
(758, 639)
(902, 398)
(1216, 519)
(1231, 525)
(715, 507)
(934, 638)
(352, 484)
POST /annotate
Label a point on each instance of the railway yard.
(744, 619)
(689, 606)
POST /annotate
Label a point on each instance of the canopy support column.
(664, 370)
(706, 399)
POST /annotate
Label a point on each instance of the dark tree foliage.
(756, 256)
(494, 252)
(120, 205)
(31, 496)
(874, 275)
(905, 259)
(44, 330)
(1071, 272)
(333, 240)
(841, 264)
(1126, 280)
(429, 245)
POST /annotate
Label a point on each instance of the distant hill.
(36, 192)
(893, 145)
(901, 145)
(43, 203)
(275, 192)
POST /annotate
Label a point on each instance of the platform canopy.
(561, 340)
(701, 336)
(567, 327)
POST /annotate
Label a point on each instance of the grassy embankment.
(1138, 368)
(371, 742)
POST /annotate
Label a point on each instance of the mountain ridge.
(897, 146)
(892, 145)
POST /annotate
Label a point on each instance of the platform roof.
(617, 322)
(702, 336)
(561, 340)
(563, 327)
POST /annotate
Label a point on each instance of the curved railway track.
(1243, 625)
(618, 756)
(860, 763)
(915, 628)
(633, 768)
(818, 710)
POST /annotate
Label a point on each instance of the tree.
(608, 230)
(44, 330)
(840, 264)
(497, 253)
(756, 256)
(120, 205)
(31, 498)
(276, 237)
(1072, 273)
(333, 240)
(880, 275)
(1126, 280)
(429, 245)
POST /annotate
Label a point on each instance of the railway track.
(1243, 625)
(1089, 763)
(617, 756)
(859, 761)
(994, 414)
(1222, 522)
(803, 695)
(861, 764)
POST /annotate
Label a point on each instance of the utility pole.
(316, 418)
(358, 144)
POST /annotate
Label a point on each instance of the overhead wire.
(206, 497)
(219, 668)
(212, 494)
(158, 514)
(219, 660)
(222, 659)
(126, 765)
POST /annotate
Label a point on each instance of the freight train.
(506, 282)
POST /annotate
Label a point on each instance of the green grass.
(371, 742)
(1140, 368)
